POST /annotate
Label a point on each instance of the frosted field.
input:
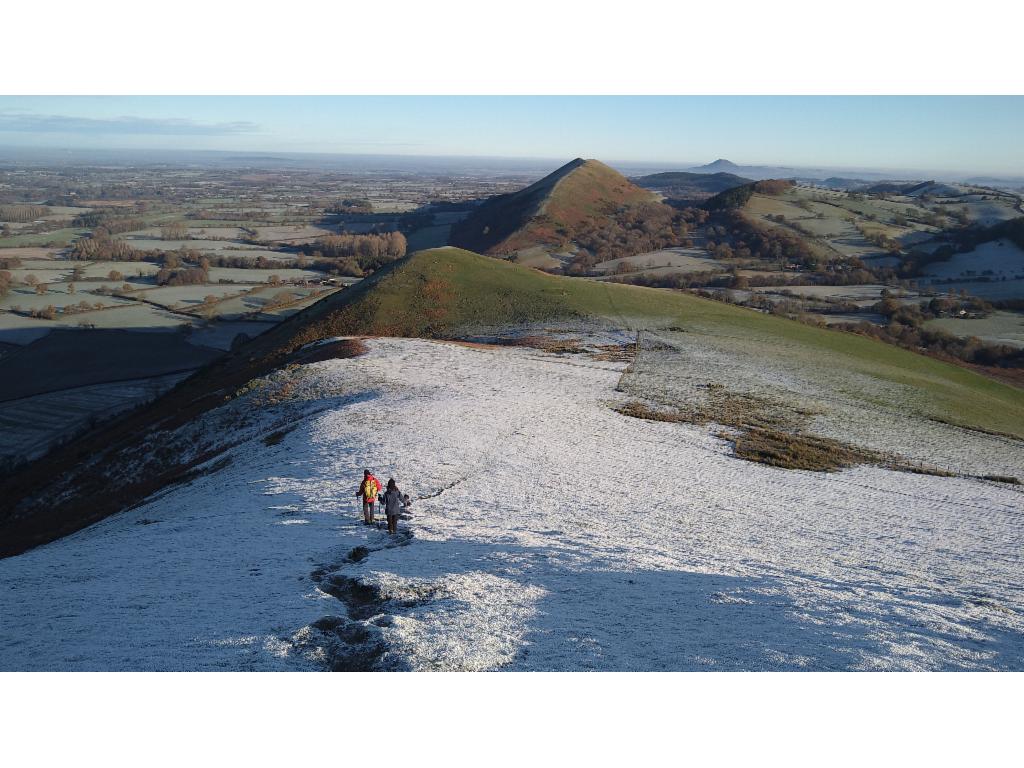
(764, 205)
(127, 268)
(203, 233)
(1001, 257)
(549, 532)
(54, 271)
(32, 300)
(46, 271)
(999, 327)
(30, 424)
(64, 212)
(262, 275)
(17, 329)
(993, 290)
(235, 307)
(989, 212)
(683, 259)
(290, 233)
(850, 292)
(251, 253)
(188, 296)
(155, 244)
(219, 335)
(133, 316)
(837, 229)
(29, 253)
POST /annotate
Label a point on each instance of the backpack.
(370, 489)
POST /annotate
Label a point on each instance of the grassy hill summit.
(583, 207)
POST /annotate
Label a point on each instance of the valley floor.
(549, 532)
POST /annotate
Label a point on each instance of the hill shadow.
(611, 619)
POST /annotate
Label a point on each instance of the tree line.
(629, 231)
(357, 254)
(22, 213)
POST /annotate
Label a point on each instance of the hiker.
(393, 503)
(368, 490)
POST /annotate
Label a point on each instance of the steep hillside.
(584, 204)
(499, 217)
(451, 293)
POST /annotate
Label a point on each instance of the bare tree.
(174, 231)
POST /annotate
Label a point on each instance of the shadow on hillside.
(608, 619)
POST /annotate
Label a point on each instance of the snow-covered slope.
(549, 532)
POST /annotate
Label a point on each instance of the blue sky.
(971, 133)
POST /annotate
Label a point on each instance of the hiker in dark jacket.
(392, 502)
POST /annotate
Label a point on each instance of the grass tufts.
(795, 451)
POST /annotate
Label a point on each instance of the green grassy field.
(57, 238)
(445, 292)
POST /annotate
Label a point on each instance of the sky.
(973, 134)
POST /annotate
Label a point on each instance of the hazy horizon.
(963, 136)
(355, 161)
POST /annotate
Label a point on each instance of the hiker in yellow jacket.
(368, 490)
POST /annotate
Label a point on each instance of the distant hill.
(842, 182)
(891, 187)
(689, 185)
(1011, 182)
(755, 172)
(934, 188)
(737, 197)
(569, 209)
(758, 172)
(914, 188)
(718, 166)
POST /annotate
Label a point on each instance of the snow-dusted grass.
(682, 259)
(823, 395)
(1000, 258)
(27, 300)
(302, 232)
(549, 532)
(127, 268)
(999, 327)
(189, 296)
(989, 212)
(134, 316)
(851, 292)
(157, 244)
(992, 290)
